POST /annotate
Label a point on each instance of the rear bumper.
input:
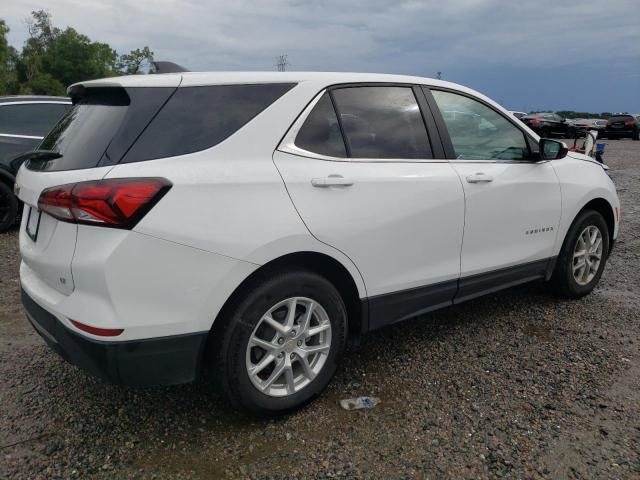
(623, 132)
(158, 361)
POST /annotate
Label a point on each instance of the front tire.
(582, 257)
(280, 345)
(8, 207)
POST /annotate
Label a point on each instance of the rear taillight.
(534, 121)
(629, 122)
(117, 202)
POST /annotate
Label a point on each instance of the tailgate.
(47, 244)
(83, 146)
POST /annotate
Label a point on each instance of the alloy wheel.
(288, 347)
(587, 255)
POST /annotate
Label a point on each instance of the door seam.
(309, 230)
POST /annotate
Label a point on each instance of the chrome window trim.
(288, 145)
(13, 135)
(30, 102)
(470, 160)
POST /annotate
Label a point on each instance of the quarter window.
(320, 132)
(382, 122)
(477, 131)
(196, 118)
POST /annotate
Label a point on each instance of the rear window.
(32, 119)
(620, 118)
(196, 118)
(83, 134)
(112, 125)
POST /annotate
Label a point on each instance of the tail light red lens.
(629, 122)
(117, 202)
(101, 332)
(534, 121)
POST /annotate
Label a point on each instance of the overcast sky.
(528, 55)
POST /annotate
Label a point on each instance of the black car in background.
(577, 128)
(623, 125)
(24, 121)
(546, 124)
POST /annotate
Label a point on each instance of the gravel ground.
(515, 385)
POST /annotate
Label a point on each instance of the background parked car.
(546, 124)
(24, 121)
(518, 115)
(623, 125)
(570, 124)
(577, 128)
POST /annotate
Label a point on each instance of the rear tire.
(8, 207)
(582, 257)
(240, 348)
(636, 135)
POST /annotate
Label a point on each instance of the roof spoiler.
(167, 67)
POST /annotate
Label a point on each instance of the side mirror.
(552, 149)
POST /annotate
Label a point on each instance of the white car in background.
(251, 224)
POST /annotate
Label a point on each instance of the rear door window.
(32, 119)
(196, 118)
(382, 122)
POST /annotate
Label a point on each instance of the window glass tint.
(196, 118)
(12, 146)
(35, 119)
(83, 134)
(382, 122)
(320, 132)
(478, 132)
(620, 118)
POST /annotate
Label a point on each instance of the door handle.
(331, 181)
(479, 178)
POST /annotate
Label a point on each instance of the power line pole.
(282, 63)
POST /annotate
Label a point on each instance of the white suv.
(252, 224)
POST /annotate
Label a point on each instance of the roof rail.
(167, 67)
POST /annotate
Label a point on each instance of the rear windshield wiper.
(38, 156)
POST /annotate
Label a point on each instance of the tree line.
(51, 59)
(572, 114)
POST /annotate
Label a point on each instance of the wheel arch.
(320, 263)
(604, 208)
